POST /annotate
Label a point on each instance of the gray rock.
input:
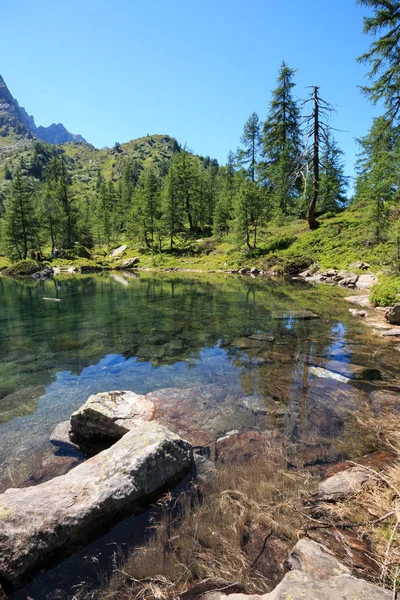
(358, 313)
(350, 281)
(120, 251)
(342, 485)
(316, 560)
(63, 514)
(60, 436)
(364, 266)
(393, 315)
(108, 416)
(395, 332)
(43, 274)
(297, 585)
(129, 263)
(360, 300)
(365, 282)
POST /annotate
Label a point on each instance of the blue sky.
(114, 71)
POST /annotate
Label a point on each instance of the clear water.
(149, 332)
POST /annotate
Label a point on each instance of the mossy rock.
(23, 268)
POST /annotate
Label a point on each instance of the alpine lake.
(260, 355)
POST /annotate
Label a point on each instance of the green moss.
(22, 268)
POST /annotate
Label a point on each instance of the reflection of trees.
(161, 319)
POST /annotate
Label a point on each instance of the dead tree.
(316, 129)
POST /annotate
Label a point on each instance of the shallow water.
(156, 332)
(238, 341)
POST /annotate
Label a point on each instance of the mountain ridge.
(17, 123)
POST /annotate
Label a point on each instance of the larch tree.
(383, 54)
(333, 181)
(248, 156)
(19, 222)
(281, 143)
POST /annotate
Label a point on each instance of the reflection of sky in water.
(70, 391)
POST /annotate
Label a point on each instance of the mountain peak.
(14, 119)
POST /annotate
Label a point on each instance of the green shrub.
(281, 243)
(386, 293)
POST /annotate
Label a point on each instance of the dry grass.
(375, 511)
(206, 540)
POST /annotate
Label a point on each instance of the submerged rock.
(52, 519)
(349, 370)
(303, 315)
(266, 551)
(316, 560)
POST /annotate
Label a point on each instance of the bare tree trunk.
(312, 222)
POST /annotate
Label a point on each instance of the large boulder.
(54, 518)
(298, 585)
(393, 315)
(106, 417)
(129, 263)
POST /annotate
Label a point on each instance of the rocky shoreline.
(133, 457)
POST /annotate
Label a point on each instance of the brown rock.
(351, 549)
(266, 551)
(375, 460)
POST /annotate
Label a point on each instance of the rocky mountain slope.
(16, 125)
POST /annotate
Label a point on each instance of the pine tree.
(333, 182)
(225, 198)
(378, 176)
(281, 143)
(383, 54)
(147, 209)
(19, 223)
(172, 207)
(250, 211)
(251, 139)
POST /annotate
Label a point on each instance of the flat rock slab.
(360, 300)
(52, 519)
(298, 585)
(109, 415)
(349, 370)
(395, 332)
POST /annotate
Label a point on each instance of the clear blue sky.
(114, 71)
